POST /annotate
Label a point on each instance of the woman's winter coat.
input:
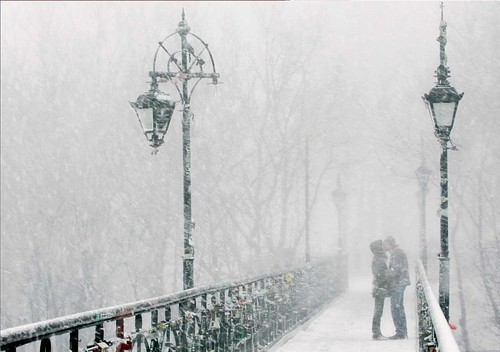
(381, 285)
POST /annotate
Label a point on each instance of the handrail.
(428, 305)
(249, 313)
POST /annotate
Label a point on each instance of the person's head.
(377, 247)
(389, 243)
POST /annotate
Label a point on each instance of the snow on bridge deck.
(345, 325)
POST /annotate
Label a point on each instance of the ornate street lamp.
(193, 61)
(339, 198)
(442, 102)
(423, 174)
(154, 110)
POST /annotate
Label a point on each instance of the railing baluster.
(168, 320)
(192, 322)
(138, 327)
(154, 318)
(99, 332)
(181, 339)
(203, 322)
(45, 345)
(73, 341)
(214, 323)
(168, 314)
(120, 330)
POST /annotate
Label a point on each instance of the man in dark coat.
(380, 286)
(399, 278)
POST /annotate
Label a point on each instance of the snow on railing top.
(444, 335)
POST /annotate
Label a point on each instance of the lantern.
(154, 110)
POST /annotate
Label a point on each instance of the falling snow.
(309, 93)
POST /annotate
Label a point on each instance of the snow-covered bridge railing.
(247, 315)
(434, 333)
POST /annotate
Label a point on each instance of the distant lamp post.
(307, 206)
(339, 198)
(442, 102)
(154, 109)
(423, 174)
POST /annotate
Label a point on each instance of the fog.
(89, 218)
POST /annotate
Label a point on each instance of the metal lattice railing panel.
(248, 315)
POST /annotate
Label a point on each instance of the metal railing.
(247, 315)
(434, 333)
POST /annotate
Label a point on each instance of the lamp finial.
(183, 28)
(442, 71)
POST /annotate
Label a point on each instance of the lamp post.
(442, 102)
(339, 197)
(423, 174)
(154, 109)
(307, 206)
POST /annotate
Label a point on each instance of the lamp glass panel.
(149, 135)
(443, 113)
(146, 118)
(163, 119)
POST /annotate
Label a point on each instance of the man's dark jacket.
(398, 268)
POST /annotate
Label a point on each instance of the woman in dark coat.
(381, 288)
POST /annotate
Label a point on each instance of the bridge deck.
(345, 325)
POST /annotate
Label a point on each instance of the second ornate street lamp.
(339, 198)
(193, 61)
(442, 102)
